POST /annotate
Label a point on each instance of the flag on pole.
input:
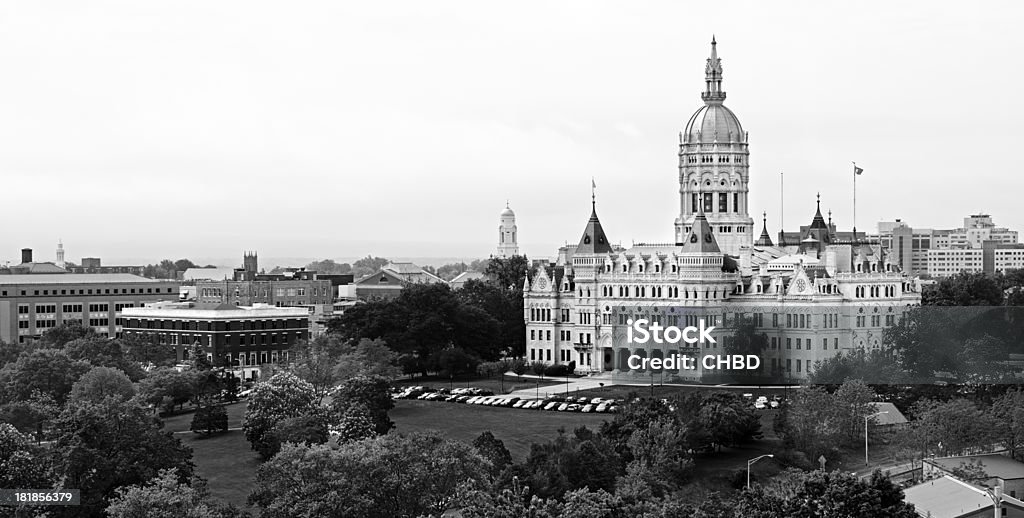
(857, 170)
(593, 184)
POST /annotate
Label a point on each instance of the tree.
(355, 424)
(166, 496)
(505, 306)
(451, 270)
(22, 463)
(100, 383)
(282, 396)
(661, 457)
(368, 265)
(329, 267)
(726, 419)
(852, 403)
(952, 427)
(103, 352)
(508, 272)
(49, 371)
(57, 337)
(305, 429)
(1008, 411)
(371, 395)
(836, 495)
(149, 349)
(367, 358)
(494, 451)
(101, 446)
(390, 475)
(313, 362)
(964, 289)
(210, 419)
(583, 459)
(875, 367)
(167, 388)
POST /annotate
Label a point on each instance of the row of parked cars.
(475, 396)
(762, 402)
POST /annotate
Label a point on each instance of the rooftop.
(188, 310)
(995, 465)
(946, 497)
(76, 278)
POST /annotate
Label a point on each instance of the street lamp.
(866, 435)
(997, 499)
(751, 462)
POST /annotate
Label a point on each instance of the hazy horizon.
(328, 130)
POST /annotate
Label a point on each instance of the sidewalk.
(574, 384)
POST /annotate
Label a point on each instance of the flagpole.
(855, 202)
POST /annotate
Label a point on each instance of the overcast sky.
(142, 130)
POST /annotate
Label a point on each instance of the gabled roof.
(593, 241)
(891, 416)
(700, 239)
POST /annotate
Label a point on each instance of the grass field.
(516, 428)
(224, 460)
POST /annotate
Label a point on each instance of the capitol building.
(814, 293)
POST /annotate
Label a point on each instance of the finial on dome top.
(829, 217)
(764, 218)
(713, 77)
(506, 204)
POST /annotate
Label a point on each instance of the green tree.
(101, 446)
(100, 383)
(387, 476)
(366, 358)
(368, 265)
(875, 367)
(282, 396)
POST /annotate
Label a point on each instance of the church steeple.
(713, 93)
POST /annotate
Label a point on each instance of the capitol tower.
(714, 171)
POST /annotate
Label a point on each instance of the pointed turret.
(700, 239)
(593, 241)
(819, 221)
(713, 93)
(765, 239)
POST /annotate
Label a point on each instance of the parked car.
(602, 408)
(773, 403)
(759, 405)
(562, 407)
(587, 408)
(551, 405)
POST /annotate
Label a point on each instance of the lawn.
(224, 460)
(516, 428)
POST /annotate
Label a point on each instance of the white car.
(773, 404)
(759, 405)
(562, 407)
(551, 406)
(603, 407)
(587, 408)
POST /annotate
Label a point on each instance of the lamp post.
(751, 462)
(997, 500)
(866, 435)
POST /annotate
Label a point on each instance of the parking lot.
(481, 397)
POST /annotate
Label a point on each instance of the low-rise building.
(243, 338)
(32, 303)
(388, 282)
(999, 470)
(947, 497)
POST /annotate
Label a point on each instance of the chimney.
(26, 255)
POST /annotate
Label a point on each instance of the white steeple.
(508, 244)
(60, 254)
